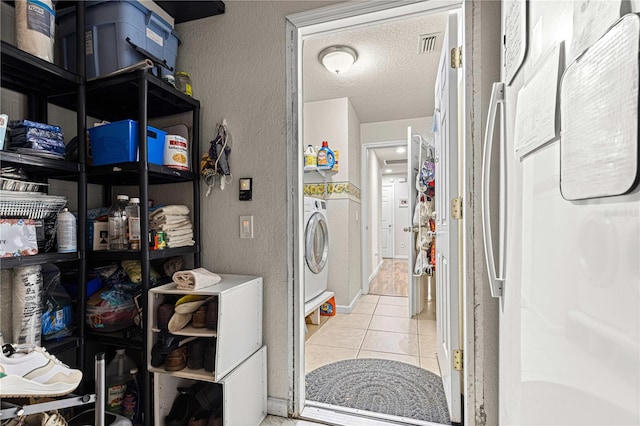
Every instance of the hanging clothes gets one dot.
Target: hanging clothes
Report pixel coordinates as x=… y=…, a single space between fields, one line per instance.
x=216 y=160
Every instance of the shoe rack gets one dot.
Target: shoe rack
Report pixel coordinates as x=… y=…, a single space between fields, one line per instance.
x=240 y=358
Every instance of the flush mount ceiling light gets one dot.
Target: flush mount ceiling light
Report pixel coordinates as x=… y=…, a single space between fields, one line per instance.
x=338 y=59
x=400 y=150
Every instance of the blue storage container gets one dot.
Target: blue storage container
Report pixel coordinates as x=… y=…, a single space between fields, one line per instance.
x=118 y=143
x=109 y=24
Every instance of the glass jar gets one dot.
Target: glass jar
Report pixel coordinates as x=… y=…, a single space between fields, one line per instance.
x=183 y=83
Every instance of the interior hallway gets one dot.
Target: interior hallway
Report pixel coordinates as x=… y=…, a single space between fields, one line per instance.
x=378 y=327
x=391 y=279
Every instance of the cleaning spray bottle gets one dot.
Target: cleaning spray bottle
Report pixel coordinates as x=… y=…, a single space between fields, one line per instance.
x=326 y=158
x=310 y=158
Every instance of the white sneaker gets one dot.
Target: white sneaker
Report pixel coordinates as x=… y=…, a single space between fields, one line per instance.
x=28 y=370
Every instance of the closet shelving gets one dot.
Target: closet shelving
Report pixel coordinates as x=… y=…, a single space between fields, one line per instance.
x=41 y=82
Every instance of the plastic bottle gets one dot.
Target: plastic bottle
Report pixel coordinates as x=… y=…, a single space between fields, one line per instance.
x=133 y=216
x=131 y=399
x=118 y=224
x=117 y=380
x=326 y=158
x=67 y=232
x=310 y=158
x=183 y=83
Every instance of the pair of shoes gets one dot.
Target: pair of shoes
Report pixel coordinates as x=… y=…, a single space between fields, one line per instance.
x=199 y=319
x=212 y=314
x=176 y=359
x=165 y=344
x=28 y=370
x=209 y=361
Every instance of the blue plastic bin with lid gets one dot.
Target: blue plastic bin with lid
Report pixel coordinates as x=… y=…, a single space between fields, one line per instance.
x=108 y=26
x=117 y=142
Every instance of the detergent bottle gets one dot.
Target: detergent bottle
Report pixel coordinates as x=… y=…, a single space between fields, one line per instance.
x=310 y=158
x=326 y=158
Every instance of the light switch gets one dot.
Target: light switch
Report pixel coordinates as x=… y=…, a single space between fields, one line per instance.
x=246 y=226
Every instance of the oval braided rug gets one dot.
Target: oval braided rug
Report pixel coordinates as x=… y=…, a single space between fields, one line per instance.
x=381 y=386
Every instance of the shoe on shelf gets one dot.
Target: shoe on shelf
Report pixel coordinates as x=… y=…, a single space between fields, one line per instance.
x=199 y=319
x=210 y=398
x=40 y=419
x=176 y=360
x=209 y=357
x=195 y=354
x=29 y=370
x=163 y=315
x=165 y=344
x=212 y=314
x=200 y=418
x=181 y=410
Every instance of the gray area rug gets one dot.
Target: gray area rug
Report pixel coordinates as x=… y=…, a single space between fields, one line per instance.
x=381 y=386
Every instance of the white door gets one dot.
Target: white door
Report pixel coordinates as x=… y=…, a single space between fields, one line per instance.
x=413 y=159
x=567 y=272
x=387 y=240
x=446 y=157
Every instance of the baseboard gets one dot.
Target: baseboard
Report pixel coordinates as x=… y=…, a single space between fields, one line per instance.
x=401 y=256
x=277 y=407
x=375 y=272
x=346 y=309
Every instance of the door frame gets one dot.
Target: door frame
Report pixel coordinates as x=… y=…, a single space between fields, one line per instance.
x=298 y=26
x=364 y=212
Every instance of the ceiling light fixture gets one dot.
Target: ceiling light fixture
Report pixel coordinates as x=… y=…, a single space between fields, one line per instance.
x=388 y=171
x=338 y=59
x=400 y=150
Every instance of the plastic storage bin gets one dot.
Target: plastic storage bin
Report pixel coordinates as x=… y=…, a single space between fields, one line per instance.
x=117 y=142
x=108 y=26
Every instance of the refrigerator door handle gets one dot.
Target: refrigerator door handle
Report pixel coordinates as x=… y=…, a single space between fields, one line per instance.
x=495 y=281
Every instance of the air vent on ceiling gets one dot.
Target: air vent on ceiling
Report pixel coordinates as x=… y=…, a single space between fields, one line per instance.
x=392 y=162
x=428 y=43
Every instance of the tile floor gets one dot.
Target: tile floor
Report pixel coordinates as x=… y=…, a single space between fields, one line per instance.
x=378 y=327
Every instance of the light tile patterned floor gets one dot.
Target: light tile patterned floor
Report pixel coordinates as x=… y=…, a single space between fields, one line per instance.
x=378 y=327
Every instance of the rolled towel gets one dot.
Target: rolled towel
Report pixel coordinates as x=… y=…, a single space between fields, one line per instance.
x=195 y=279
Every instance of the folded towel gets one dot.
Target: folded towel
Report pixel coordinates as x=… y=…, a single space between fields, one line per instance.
x=176 y=209
x=169 y=218
x=195 y=279
x=181 y=243
x=179 y=233
x=172 y=226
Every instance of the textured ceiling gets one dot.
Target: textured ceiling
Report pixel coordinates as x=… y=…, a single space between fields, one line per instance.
x=390 y=80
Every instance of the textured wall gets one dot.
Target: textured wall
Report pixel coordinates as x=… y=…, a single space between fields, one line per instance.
x=237 y=66
x=386 y=131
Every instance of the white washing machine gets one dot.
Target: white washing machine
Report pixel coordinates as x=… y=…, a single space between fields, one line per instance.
x=316 y=247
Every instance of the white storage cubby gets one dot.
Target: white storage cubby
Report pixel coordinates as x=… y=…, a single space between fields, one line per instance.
x=240 y=360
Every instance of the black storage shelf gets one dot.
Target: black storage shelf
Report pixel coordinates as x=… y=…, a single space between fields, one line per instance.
x=116 y=98
x=130 y=338
x=26 y=73
x=57 y=346
x=37 y=259
x=184 y=11
x=34 y=165
x=129 y=174
x=103 y=256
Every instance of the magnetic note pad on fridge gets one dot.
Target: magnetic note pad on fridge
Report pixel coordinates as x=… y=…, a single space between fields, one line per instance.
x=599 y=116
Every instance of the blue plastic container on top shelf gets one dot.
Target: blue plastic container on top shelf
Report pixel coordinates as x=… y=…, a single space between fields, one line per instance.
x=108 y=25
x=117 y=142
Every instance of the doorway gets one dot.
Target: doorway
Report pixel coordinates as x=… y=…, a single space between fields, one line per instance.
x=315 y=24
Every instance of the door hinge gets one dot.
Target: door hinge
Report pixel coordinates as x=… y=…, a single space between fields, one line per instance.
x=456 y=208
x=456 y=57
x=457 y=359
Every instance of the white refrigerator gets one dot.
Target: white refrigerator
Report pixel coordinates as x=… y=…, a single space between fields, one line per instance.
x=561 y=213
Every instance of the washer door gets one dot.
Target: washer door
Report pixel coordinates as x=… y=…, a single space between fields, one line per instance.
x=316 y=243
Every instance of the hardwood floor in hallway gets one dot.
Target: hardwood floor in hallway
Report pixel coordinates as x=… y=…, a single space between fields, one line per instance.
x=392 y=279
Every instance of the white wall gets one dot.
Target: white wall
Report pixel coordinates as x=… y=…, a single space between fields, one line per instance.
x=237 y=65
x=400 y=214
x=385 y=131
x=374 y=210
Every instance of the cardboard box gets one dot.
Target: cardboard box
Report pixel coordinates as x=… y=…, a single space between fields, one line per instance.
x=98 y=235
